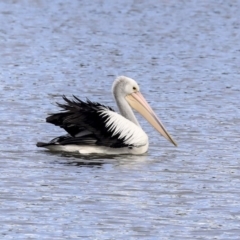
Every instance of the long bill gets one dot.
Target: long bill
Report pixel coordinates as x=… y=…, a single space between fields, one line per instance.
x=138 y=102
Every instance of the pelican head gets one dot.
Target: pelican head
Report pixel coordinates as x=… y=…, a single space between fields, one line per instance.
x=127 y=88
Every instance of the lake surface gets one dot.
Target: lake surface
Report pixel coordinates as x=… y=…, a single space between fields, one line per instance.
x=185 y=56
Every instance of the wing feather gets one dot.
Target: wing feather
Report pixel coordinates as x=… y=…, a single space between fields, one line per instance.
x=104 y=125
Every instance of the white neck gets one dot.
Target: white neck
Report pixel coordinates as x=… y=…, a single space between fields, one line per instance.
x=125 y=109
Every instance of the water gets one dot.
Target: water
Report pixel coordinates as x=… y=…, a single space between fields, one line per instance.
x=186 y=57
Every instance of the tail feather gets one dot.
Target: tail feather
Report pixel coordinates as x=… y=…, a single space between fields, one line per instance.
x=43 y=144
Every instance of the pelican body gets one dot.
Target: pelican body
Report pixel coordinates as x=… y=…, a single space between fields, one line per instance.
x=93 y=128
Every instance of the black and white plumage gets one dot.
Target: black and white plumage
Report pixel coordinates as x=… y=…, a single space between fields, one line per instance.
x=95 y=128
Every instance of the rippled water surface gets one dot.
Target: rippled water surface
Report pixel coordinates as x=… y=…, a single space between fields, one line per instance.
x=186 y=57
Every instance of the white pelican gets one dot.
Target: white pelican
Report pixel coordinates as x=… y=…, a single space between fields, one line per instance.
x=97 y=129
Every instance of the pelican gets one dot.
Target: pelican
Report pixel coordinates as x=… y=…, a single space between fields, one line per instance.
x=93 y=128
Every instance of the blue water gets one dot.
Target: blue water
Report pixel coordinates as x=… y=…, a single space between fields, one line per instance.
x=185 y=56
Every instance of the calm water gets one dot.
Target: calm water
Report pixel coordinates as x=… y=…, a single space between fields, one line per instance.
x=186 y=57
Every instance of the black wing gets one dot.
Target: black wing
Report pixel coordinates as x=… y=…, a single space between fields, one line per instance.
x=68 y=139
x=84 y=119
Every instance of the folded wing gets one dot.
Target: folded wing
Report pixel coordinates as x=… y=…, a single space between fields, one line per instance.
x=92 y=123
